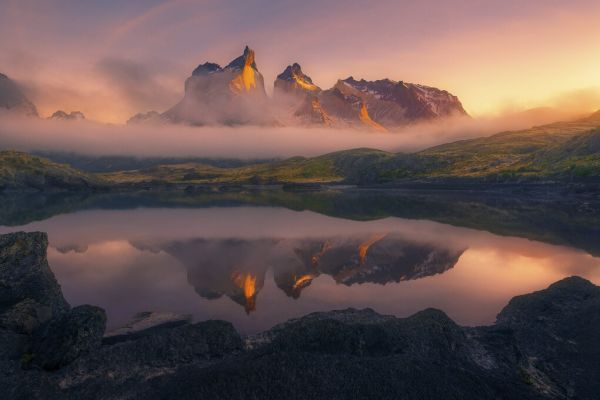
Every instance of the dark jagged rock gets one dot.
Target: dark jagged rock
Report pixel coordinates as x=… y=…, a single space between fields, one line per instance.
x=29 y=293
x=559 y=330
x=67 y=337
x=144 y=324
x=13 y=99
x=118 y=370
x=543 y=346
x=31 y=303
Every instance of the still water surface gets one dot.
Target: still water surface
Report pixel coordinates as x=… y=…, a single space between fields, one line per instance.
x=258 y=266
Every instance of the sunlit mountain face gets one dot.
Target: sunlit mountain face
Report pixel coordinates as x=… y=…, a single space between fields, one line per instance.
x=236 y=95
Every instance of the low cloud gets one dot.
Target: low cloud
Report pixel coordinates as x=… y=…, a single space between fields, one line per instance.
x=136 y=84
x=93 y=138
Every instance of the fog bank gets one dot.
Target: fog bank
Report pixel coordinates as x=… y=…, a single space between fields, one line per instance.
x=91 y=138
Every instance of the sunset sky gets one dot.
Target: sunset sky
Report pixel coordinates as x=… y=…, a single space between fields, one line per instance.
x=111 y=59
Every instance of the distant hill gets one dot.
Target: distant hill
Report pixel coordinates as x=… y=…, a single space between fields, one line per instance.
x=13 y=99
x=21 y=171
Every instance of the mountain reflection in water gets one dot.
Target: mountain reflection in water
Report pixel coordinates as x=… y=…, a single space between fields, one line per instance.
x=259 y=266
x=236 y=268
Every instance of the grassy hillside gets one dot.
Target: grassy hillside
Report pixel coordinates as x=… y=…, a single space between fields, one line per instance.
x=20 y=171
x=555 y=149
x=297 y=170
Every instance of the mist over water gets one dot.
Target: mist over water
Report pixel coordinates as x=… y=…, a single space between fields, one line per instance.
x=144 y=140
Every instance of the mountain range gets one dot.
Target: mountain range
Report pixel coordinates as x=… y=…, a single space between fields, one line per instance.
x=235 y=95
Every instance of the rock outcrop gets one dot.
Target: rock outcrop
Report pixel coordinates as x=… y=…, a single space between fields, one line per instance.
x=68 y=336
x=13 y=99
x=29 y=293
x=146 y=323
x=544 y=345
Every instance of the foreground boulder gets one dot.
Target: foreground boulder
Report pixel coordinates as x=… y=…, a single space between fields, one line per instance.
x=146 y=323
x=545 y=345
x=559 y=331
x=29 y=293
x=65 y=338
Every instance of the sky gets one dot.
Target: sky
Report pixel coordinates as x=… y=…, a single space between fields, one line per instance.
x=111 y=59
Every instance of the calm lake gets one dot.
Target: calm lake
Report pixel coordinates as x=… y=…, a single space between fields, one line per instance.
x=257 y=266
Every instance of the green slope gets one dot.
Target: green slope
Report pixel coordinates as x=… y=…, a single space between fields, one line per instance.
x=548 y=150
x=21 y=171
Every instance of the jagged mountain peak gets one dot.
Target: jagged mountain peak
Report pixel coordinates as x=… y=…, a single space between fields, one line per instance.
x=235 y=94
x=232 y=95
x=293 y=72
x=206 y=68
x=294 y=81
x=247 y=58
x=417 y=101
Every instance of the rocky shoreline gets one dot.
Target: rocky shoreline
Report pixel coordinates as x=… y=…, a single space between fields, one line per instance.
x=544 y=345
